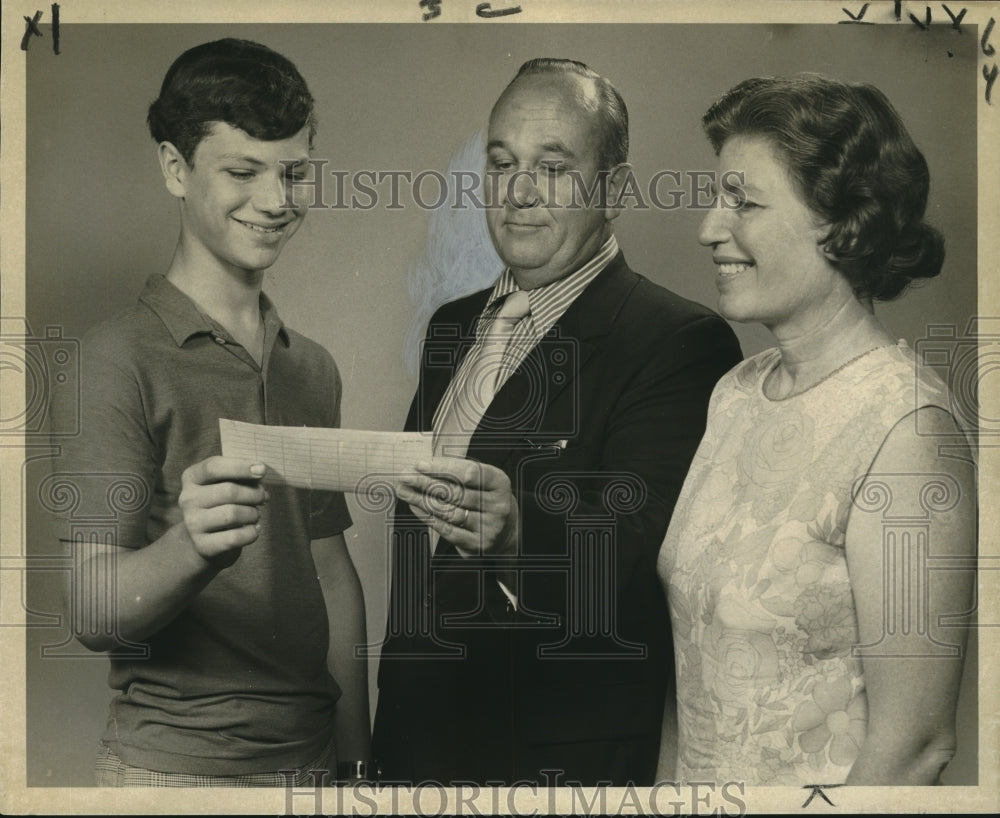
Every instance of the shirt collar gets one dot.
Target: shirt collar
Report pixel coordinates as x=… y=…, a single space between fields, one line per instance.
x=507 y=284
x=181 y=316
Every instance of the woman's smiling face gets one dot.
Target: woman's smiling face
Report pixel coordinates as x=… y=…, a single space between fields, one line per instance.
x=766 y=243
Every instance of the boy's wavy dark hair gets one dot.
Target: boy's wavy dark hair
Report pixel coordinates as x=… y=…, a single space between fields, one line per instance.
x=239 y=82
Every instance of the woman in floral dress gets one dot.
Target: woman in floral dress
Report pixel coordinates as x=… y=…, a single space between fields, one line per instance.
x=832 y=473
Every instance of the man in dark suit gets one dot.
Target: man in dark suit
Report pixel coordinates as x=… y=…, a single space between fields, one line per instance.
x=528 y=636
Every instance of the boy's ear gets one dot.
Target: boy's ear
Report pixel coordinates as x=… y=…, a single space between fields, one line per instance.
x=175 y=169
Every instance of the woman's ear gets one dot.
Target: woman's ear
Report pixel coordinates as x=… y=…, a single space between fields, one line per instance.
x=824 y=240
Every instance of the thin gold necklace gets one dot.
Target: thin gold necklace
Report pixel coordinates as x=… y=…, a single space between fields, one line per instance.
x=826 y=377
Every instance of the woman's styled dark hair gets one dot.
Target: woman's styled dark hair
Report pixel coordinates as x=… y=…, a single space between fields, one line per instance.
x=856 y=168
x=239 y=82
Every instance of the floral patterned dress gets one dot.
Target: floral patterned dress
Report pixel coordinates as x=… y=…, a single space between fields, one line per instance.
x=756 y=574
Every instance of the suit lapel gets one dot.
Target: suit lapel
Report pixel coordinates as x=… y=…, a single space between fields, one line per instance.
x=443 y=352
x=528 y=405
x=525 y=412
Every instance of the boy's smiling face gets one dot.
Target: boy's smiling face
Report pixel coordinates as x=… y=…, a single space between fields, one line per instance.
x=234 y=192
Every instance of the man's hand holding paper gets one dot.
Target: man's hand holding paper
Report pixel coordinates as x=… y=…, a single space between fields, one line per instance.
x=468 y=503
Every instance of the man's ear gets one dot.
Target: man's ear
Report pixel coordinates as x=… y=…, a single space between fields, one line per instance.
x=617 y=179
x=175 y=169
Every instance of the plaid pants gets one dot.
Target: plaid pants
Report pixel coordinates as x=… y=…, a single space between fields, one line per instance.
x=113 y=772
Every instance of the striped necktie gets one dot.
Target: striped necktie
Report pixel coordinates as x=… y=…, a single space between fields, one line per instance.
x=477 y=380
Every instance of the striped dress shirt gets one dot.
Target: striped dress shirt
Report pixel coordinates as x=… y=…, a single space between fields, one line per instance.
x=548 y=304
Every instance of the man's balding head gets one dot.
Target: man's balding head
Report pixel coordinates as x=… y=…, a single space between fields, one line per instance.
x=594 y=93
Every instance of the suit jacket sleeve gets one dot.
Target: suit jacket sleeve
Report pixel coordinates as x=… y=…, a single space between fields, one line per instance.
x=634 y=465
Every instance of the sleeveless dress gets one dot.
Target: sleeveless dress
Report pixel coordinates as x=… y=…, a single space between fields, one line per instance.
x=754 y=566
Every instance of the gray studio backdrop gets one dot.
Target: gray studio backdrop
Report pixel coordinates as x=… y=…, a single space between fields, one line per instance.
x=361 y=282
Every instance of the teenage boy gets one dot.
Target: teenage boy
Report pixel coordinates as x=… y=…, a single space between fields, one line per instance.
x=244 y=597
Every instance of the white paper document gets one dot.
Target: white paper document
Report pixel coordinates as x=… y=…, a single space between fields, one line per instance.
x=346 y=460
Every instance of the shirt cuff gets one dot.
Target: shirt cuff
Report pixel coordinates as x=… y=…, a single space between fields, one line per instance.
x=508 y=593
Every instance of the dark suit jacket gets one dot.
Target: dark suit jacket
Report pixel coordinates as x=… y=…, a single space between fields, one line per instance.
x=596 y=430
